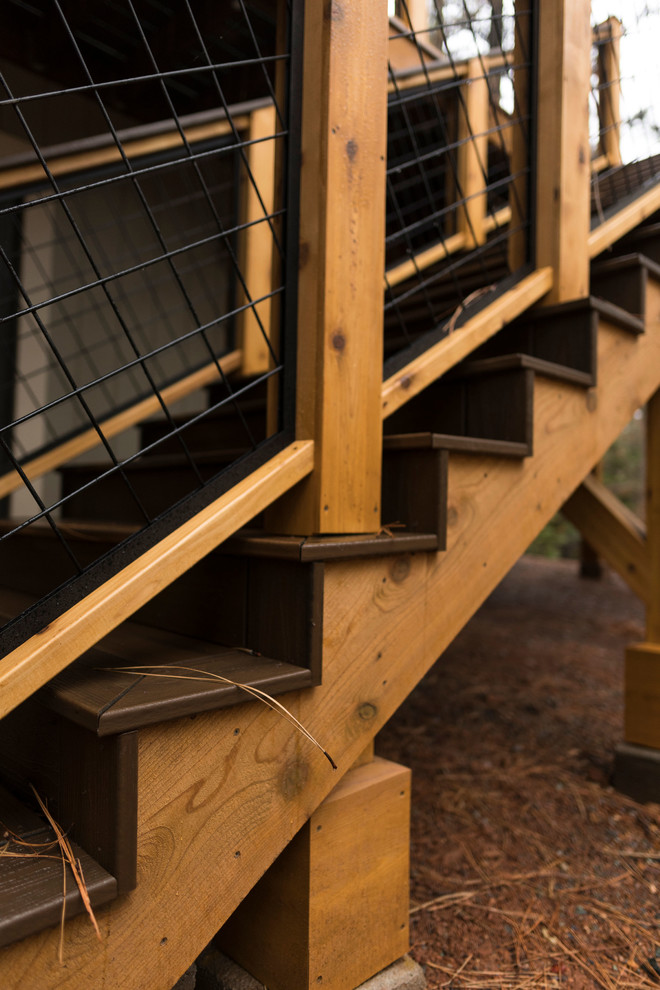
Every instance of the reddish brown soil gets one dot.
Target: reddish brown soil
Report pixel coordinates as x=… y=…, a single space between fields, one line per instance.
x=528 y=869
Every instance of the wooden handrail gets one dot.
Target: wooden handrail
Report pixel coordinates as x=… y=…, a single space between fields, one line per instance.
x=136 y=142
x=434 y=362
x=44 y=655
x=451 y=245
x=121 y=421
x=625 y=220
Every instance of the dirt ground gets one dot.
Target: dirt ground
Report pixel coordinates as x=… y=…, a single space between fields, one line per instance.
x=528 y=869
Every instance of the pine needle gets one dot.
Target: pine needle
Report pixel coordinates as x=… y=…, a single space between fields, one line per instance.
x=74 y=865
x=207 y=675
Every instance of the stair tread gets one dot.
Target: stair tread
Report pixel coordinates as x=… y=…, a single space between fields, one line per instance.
x=254 y=543
x=551 y=369
x=112 y=702
x=622 y=261
x=31 y=889
x=615 y=314
x=467 y=445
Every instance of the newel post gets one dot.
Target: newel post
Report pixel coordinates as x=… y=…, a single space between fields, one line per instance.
x=342 y=260
x=563 y=154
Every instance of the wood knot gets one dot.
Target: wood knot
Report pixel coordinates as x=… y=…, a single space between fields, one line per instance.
x=338 y=340
x=294 y=779
x=367 y=711
x=351 y=149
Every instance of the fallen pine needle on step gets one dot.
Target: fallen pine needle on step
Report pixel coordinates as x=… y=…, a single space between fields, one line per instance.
x=207 y=675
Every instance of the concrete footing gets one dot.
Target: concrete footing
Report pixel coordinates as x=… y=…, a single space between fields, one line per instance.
x=637 y=772
x=216 y=972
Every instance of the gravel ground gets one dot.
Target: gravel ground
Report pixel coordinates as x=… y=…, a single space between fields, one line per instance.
x=528 y=869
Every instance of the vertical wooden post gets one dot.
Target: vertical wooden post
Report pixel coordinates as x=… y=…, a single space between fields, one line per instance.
x=333 y=909
x=653 y=516
x=257 y=242
x=342 y=260
x=417 y=15
x=563 y=156
x=609 y=73
x=473 y=154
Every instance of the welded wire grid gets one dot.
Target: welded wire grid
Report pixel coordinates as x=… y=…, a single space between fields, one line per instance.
x=624 y=110
x=134 y=200
x=458 y=168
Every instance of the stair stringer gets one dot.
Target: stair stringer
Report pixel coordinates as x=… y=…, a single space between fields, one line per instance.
x=221 y=794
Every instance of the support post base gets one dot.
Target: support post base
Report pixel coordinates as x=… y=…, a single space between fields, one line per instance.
x=217 y=972
x=637 y=772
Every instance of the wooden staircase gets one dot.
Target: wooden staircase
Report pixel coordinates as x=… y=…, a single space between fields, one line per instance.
x=157 y=777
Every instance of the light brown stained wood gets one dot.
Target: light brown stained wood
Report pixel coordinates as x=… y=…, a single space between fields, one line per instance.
x=439 y=358
x=405 y=52
x=33 y=663
x=113 y=425
x=217 y=806
x=613 y=531
x=342 y=260
x=641 y=721
x=14 y=178
x=257 y=242
x=608 y=35
x=623 y=221
x=563 y=202
x=353 y=851
x=473 y=154
x=653 y=516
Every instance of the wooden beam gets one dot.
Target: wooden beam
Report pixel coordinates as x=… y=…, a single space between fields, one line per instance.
x=472 y=155
x=88 y=439
x=256 y=252
x=438 y=359
x=563 y=202
x=518 y=142
x=614 y=532
x=625 y=220
x=218 y=805
x=342 y=260
x=354 y=849
x=33 y=663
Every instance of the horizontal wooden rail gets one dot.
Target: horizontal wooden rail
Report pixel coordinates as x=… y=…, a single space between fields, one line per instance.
x=37 y=660
x=444 y=73
x=89 y=439
x=451 y=245
x=625 y=220
x=437 y=360
x=89 y=157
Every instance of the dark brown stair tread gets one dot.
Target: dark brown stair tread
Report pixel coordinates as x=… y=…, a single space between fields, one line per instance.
x=636 y=259
x=312 y=548
x=112 y=702
x=550 y=369
x=610 y=311
x=253 y=543
x=467 y=445
x=31 y=889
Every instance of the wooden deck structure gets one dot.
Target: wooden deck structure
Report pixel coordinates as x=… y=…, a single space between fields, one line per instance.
x=336 y=561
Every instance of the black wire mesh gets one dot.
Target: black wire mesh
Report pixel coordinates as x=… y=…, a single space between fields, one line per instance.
x=459 y=163
x=144 y=303
x=624 y=115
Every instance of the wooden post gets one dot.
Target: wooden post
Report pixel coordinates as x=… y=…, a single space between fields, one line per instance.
x=608 y=36
x=521 y=155
x=342 y=260
x=332 y=911
x=473 y=154
x=642 y=669
x=257 y=243
x=416 y=14
x=563 y=157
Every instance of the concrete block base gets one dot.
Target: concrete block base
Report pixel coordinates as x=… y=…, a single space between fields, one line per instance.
x=216 y=972
x=637 y=772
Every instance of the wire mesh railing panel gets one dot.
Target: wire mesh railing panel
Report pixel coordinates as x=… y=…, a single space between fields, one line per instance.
x=146 y=265
x=624 y=120
x=460 y=142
